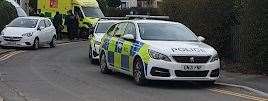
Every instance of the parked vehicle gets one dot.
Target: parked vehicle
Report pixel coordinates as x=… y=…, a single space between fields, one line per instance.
x=158 y=50
x=28 y=32
x=95 y=39
x=88 y=10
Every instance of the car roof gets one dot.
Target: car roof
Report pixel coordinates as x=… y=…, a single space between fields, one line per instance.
x=153 y=21
x=34 y=17
x=108 y=21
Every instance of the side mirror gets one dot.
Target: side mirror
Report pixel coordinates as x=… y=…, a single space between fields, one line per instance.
x=200 y=38
x=40 y=28
x=128 y=37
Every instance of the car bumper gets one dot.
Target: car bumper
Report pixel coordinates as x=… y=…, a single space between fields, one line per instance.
x=162 y=70
x=24 y=42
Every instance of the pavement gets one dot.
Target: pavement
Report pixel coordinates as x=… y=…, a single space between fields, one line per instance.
x=257 y=82
x=64 y=73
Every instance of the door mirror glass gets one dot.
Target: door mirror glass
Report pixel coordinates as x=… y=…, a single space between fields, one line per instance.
x=128 y=37
x=200 y=38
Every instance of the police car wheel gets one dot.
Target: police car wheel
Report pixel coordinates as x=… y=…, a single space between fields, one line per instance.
x=138 y=73
x=92 y=61
x=103 y=65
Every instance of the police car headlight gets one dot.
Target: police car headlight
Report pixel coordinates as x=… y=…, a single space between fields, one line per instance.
x=158 y=56
x=28 y=34
x=215 y=58
x=97 y=43
x=2 y=33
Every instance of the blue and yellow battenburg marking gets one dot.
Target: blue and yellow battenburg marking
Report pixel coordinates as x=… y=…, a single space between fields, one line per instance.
x=121 y=53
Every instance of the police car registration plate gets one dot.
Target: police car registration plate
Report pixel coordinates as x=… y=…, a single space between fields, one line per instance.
x=192 y=67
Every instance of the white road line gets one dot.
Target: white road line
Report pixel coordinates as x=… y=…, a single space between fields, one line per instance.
x=245 y=96
x=1 y=98
x=7 y=56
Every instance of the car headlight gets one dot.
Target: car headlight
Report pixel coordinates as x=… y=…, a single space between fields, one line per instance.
x=215 y=58
x=28 y=34
x=158 y=56
x=2 y=33
x=97 y=43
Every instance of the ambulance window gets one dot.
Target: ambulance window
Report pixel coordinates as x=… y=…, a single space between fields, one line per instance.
x=77 y=10
x=130 y=29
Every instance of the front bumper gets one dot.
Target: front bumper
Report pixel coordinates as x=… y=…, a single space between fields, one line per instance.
x=23 y=42
x=163 y=70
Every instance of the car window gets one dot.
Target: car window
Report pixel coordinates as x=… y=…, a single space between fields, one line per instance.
x=130 y=29
x=111 y=29
x=120 y=29
x=42 y=24
x=103 y=27
x=23 y=22
x=166 y=32
x=48 y=23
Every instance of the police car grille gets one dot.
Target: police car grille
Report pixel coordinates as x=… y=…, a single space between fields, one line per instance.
x=191 y=59
x=9 y=38
x=191 y=73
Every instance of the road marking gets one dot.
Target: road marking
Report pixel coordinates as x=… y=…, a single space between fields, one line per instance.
x=245 y=96
x=7 y=56
x=61 y=44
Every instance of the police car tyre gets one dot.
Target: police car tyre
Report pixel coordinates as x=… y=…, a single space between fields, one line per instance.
x=35 y=44
x=103 y=65
x=52 y=44
x=90 y=57
x=138 y=73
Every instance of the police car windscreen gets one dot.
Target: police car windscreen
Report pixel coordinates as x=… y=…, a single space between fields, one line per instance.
x=103 y=27
x=166 y=32
x=23 y=22
x=93 y=12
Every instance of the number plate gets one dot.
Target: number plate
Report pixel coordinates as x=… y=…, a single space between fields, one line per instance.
x=192 y=67
x=11 y=43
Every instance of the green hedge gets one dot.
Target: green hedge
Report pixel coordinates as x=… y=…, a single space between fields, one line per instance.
x=236 y=28
x=7 y=13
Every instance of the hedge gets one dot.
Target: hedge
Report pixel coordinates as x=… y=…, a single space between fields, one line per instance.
x=7 y=13
x=236 y=28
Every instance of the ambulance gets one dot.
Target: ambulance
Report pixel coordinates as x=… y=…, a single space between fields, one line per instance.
x=88 y=10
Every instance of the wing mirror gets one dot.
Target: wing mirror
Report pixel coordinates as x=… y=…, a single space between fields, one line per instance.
x=128 y=37
x=40 y=28
x=200 y=38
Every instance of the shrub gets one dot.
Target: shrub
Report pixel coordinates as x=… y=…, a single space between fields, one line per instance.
x=7 y=13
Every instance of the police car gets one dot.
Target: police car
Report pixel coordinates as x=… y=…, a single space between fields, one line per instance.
x=158 y=50
x=95 y=39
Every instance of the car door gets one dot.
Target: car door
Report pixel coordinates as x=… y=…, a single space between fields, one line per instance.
x=115 y=46
x=126 y=53
x=41 y=31
x=49 y=31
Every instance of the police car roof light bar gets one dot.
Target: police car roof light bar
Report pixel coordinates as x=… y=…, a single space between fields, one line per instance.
x=131 y=17
x=113 y=18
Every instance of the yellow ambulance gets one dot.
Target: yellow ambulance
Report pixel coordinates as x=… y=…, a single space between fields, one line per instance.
x=88 y=10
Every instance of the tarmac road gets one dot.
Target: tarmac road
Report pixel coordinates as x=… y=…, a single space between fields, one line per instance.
x=65 y=74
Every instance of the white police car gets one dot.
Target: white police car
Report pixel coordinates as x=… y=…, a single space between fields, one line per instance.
x=95 y=39
x=158 y=50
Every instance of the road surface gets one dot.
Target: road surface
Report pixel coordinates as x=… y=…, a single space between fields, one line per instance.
x=65 y=74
